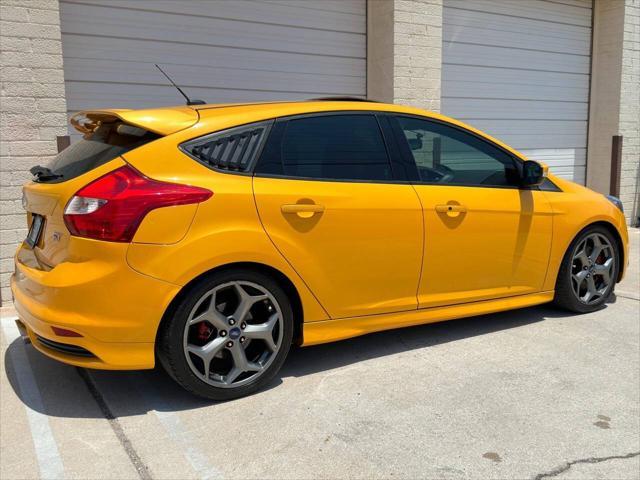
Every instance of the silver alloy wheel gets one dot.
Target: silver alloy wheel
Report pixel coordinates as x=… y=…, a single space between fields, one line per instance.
x=233 y=334
x=592 y=268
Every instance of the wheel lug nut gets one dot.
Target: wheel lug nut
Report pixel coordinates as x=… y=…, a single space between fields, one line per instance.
x=242 y=339
x=223 y=333
x=243 y=325
x=232 y=321
x=229 y=344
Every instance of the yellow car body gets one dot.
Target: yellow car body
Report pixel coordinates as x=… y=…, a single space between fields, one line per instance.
x=382 y=255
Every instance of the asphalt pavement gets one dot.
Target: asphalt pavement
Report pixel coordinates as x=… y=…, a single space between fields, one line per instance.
x=533 y=393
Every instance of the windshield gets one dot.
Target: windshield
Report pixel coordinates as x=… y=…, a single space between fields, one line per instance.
x=96 y=148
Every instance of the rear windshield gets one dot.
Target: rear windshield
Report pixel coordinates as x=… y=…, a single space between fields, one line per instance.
x=105 y=143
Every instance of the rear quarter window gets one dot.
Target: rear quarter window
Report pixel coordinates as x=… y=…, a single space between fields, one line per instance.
x=231 y=150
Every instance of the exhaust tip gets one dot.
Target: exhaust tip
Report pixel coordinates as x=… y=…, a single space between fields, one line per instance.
x=24 y=334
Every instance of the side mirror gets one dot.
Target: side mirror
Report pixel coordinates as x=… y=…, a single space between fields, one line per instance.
x=533 y=173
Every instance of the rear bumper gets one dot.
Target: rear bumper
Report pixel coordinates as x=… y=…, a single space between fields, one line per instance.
x=104 y=356
x=115 y=310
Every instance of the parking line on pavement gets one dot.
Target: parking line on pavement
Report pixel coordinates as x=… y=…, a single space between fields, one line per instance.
x=136 y=461
x=178 y=433
x=46 y=448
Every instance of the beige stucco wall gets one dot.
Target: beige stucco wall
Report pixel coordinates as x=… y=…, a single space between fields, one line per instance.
x=615 y=98
x=604 y=108
x=380 y=50
x=404 y=48
x=630 y=112
x=32 y=110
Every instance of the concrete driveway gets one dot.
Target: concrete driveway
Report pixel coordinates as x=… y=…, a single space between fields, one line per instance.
x=533 y=393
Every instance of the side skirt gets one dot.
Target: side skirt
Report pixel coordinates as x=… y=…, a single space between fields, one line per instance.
x=331 y=330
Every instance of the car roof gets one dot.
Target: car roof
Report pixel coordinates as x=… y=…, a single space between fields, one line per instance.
x=213 y=117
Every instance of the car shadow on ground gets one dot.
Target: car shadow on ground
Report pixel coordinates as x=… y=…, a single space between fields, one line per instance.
x=67 y=391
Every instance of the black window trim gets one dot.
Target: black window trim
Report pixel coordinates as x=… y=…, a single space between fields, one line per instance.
x=268 y=124
x=390 y=136
x=385 y=132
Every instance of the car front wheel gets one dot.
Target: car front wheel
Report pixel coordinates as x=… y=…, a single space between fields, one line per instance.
x=588 y=272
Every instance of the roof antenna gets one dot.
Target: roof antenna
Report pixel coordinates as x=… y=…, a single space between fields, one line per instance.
x=189 y=101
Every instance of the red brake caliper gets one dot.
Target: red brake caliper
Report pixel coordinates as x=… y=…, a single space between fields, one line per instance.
x=204 y=331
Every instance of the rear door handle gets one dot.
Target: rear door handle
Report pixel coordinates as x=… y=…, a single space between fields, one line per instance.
x=302 y=208
x=451 y=208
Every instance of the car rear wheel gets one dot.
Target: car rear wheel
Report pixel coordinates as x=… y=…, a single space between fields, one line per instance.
x=229 y=336
x=589 y=271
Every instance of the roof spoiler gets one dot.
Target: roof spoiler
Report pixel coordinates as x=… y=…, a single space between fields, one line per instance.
x=163 y=121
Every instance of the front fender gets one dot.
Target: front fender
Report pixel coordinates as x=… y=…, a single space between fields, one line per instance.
x=574 y=209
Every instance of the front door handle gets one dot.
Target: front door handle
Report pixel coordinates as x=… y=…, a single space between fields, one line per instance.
x=303 y=209
x=451 y=208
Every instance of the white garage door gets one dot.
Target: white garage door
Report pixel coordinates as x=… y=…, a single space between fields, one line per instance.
x=519 y=70
x=218 y=51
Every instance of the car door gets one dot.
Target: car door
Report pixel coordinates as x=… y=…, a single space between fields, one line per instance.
x=485 y=237
x=328 y=198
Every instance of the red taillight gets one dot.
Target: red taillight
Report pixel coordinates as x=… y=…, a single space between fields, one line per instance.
x=112 y=207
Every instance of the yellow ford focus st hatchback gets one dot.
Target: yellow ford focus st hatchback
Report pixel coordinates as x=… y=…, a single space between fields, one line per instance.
x=212 y=237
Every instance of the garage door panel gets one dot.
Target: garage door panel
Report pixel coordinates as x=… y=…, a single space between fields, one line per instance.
x=531 y=78
x=514 y=91
x=466 y=108
x=119 y=95
x=519 y=69
x=220 y=51
x=523 y=41
x=526 y=141
x=530 y=9
x=179 y=55
x=83 y=96
x=529 y=127
x=498 y=22
x=528 y=134
x=532 y=139
x=330 y=5
x=191 y=76
x=153 y=26
x=493 y=29
x=292 y=15
x=508 y=57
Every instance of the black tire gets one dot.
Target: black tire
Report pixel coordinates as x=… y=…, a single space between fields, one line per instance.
x=171 y=350
x=564 y=294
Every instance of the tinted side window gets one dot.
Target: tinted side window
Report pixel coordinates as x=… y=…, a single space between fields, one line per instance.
x=333 y=147
x=448 y=155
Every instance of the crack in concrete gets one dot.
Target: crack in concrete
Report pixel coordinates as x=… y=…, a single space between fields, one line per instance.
x=563 y=468
x=134 y=457
x=628 y=296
